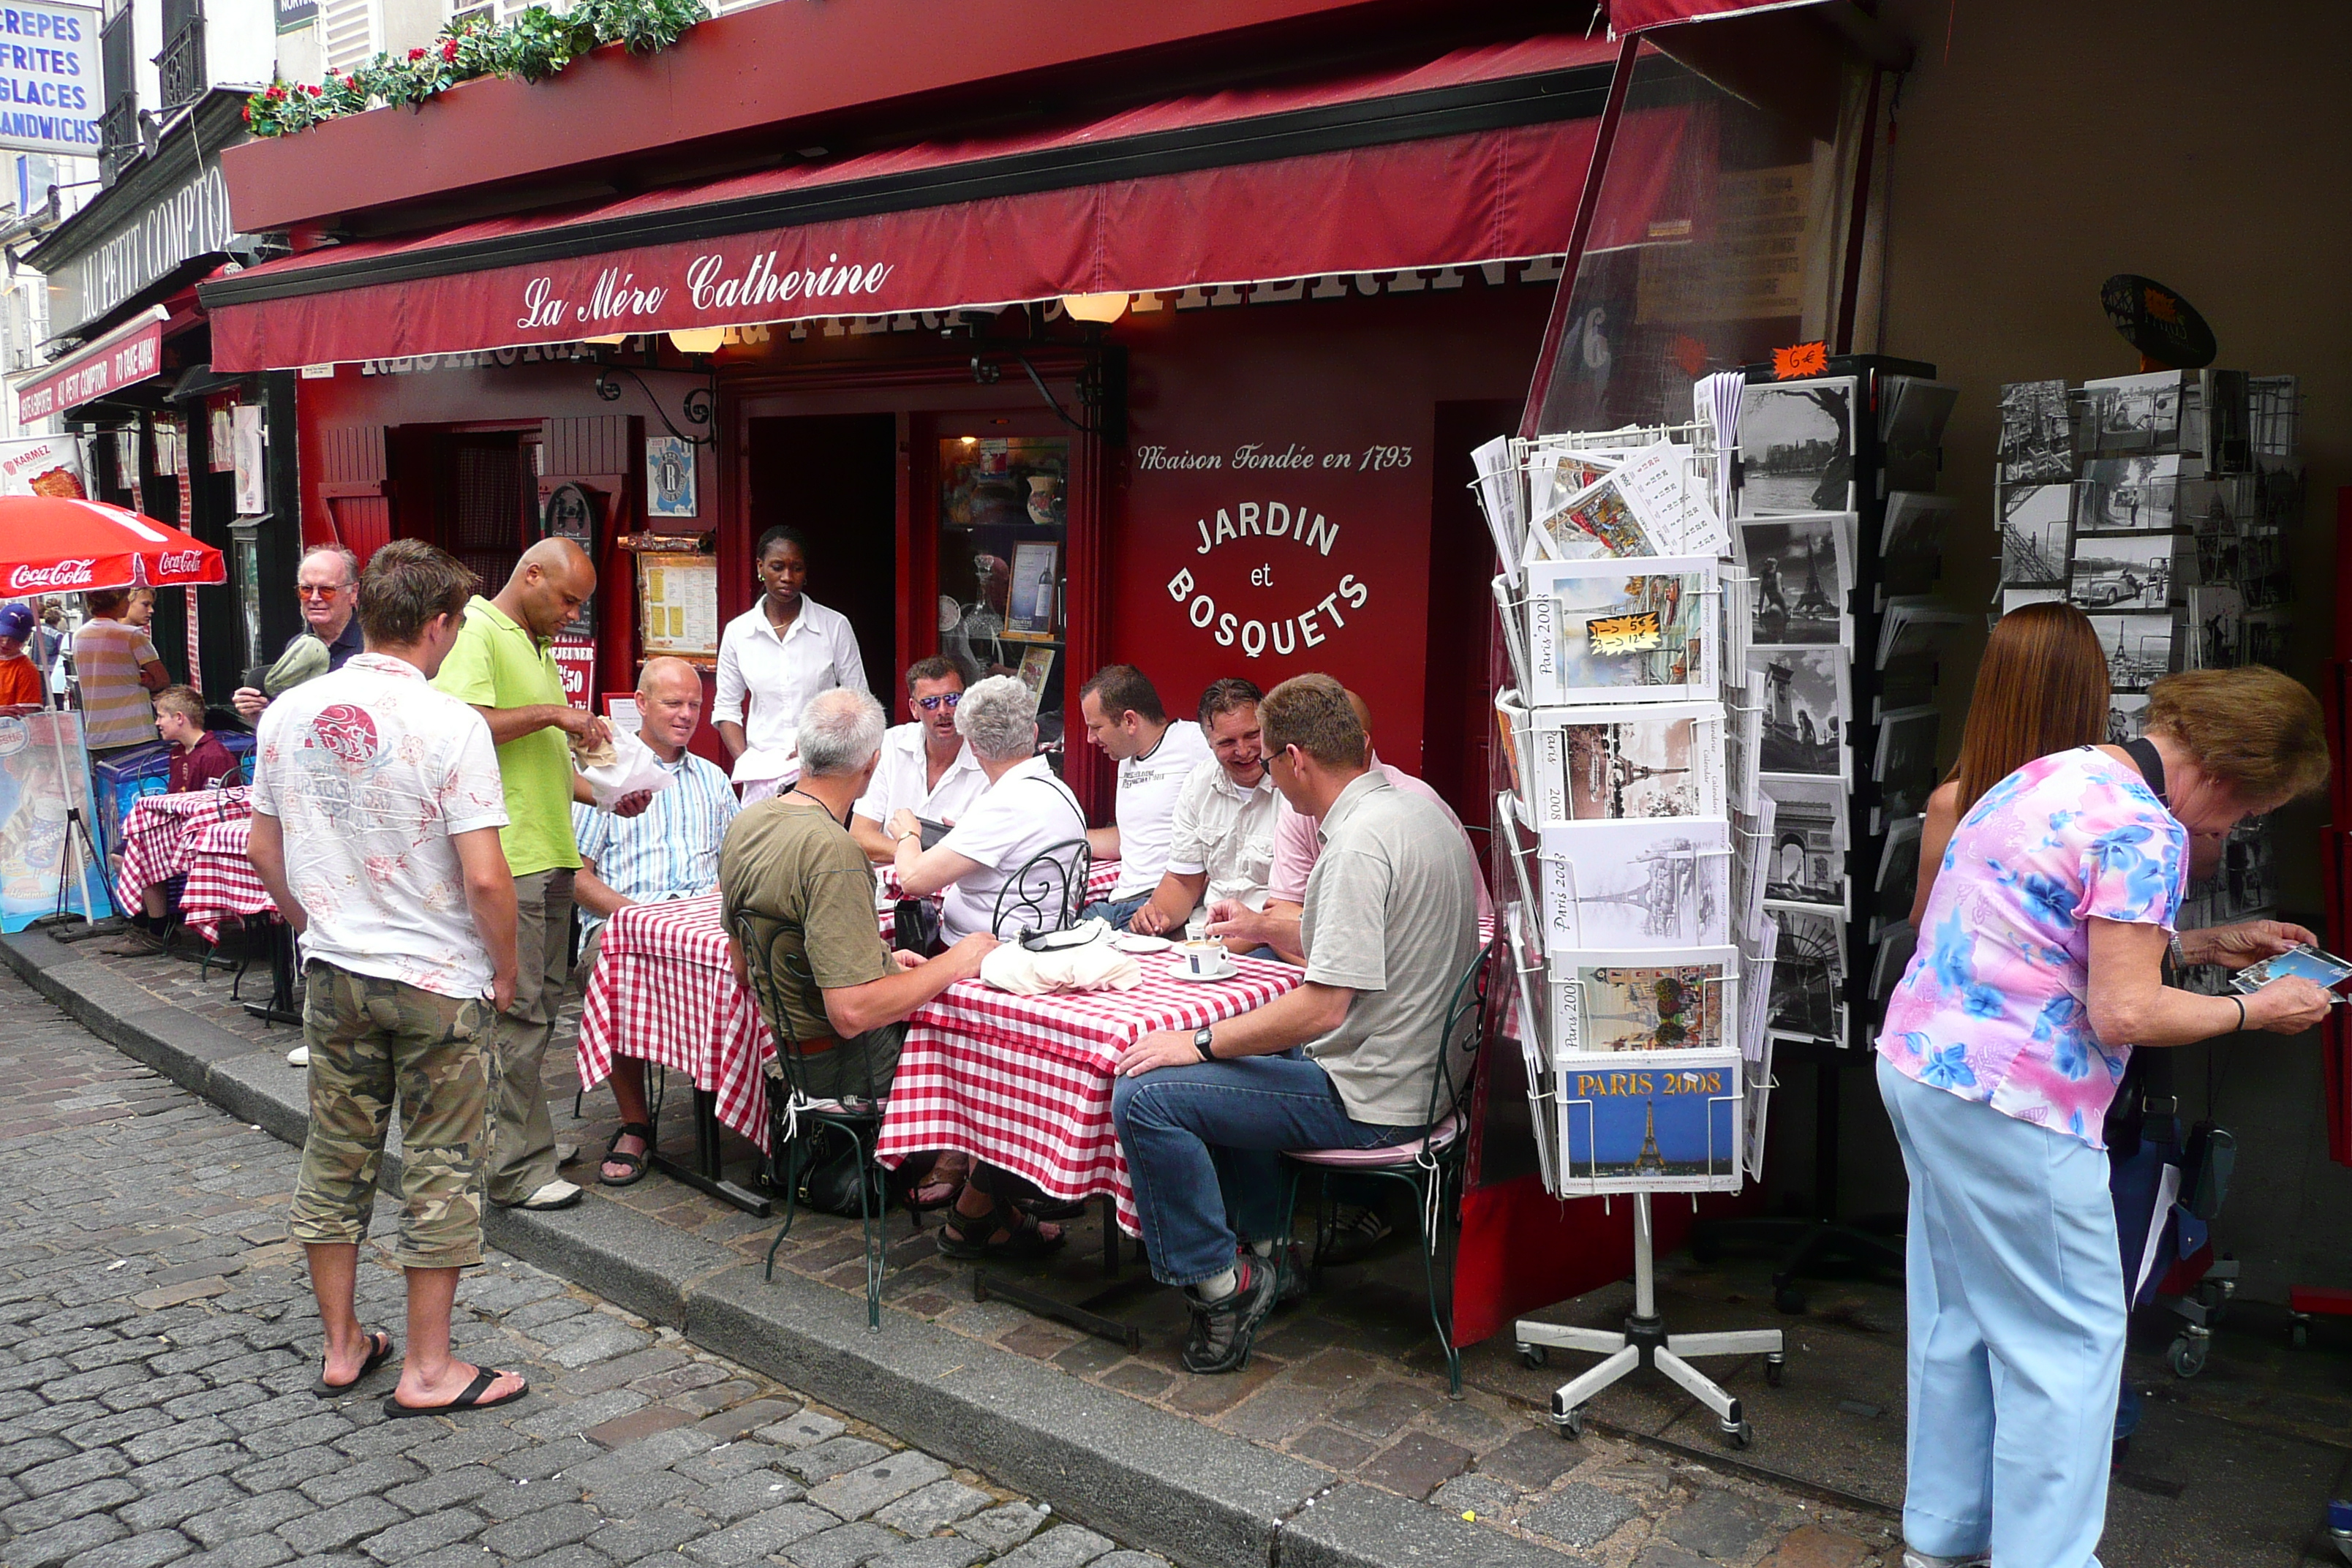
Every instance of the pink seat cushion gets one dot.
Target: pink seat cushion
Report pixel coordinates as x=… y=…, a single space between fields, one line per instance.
x=1404 y=1153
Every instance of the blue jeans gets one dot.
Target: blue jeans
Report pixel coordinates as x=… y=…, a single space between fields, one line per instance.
x=2016 y=1341
x=1119 y=913
x=1201 y=1143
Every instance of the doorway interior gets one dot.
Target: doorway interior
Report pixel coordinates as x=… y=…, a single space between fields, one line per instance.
x=835 y=477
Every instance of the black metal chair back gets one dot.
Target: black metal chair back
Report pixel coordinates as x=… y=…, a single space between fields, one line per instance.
x=1046 y=893
x=790 y=1115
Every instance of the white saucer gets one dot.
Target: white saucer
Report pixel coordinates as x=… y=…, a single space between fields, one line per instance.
x=1137 y=943
x=1177 y=971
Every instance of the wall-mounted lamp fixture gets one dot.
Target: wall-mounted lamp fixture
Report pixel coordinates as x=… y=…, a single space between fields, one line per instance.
x=1101 y=309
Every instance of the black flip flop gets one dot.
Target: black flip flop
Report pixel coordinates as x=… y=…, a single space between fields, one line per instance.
x=1022 y=1240
x=379 y=1350
x=468 y=1398
x=615 y=1155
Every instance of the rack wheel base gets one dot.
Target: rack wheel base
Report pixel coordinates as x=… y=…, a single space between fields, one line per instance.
x=1533 y=1357
x=1572 y=1425
x=1738 y=1437
x=2187 y=1356
x=1776 y=1367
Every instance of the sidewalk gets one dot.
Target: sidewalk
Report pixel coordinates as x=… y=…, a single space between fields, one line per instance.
x=1337 y=1445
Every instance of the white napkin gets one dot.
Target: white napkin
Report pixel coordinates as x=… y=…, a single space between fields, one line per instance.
x=765 y=765
x=1092 y=966
x=633 y=767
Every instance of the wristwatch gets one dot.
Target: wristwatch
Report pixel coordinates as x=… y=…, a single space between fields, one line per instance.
x=1201 y=1043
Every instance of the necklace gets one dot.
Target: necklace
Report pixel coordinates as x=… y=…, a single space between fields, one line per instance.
x=843 y=819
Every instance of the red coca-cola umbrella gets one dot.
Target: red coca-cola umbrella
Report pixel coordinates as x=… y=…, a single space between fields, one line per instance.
x=55 y=544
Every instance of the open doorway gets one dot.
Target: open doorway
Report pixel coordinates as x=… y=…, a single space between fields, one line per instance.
x=835 y=477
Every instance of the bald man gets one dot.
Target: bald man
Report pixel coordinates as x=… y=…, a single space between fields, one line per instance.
x=668 y=851
x=502 y=666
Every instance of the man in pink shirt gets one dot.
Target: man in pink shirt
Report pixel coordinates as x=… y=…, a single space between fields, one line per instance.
x=1297 y=844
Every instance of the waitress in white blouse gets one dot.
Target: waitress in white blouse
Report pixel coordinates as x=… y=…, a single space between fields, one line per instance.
x=773 y=659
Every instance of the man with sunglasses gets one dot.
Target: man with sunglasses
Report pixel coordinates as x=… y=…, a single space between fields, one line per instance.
x=328 y=579
x=925 y=767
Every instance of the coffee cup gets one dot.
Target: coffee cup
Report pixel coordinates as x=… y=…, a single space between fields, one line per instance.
x=1206 y=960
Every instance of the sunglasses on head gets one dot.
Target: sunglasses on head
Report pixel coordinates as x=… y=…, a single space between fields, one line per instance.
x=933 y=704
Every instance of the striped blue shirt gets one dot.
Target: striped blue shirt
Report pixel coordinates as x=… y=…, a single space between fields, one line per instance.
x=670 y=850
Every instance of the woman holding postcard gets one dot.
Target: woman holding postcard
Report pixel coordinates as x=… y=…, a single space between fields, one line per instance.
x=2039 y=966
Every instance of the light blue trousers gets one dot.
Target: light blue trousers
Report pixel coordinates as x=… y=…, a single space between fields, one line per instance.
x=2016 y=1332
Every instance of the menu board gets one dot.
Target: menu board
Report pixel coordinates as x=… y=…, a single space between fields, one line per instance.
x=678 y=605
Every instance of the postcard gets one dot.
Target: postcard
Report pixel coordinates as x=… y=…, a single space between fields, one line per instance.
x=2037 y=529
x=1806 y=858
x=1796 y=447
x=1613 y=886
x=1809 y=974
x=2302 y=962
x=2134 y=413
x=1756 y=996
x=1667 y=1125
x=1799 y=568
x=1635 y=761
x=1501 y=499
x=1752 y=864
x=1911 y=420
x=2126 y=716
x=2123 y=570
x=1600 y=632
x=1917 y=524
x=2130 y=495
x=1669 y=497
x=1806 y=701
x=2037 y=433
x=1615 y=1002
x=1904 y=764
x=2139 y=648
x=1890 y=958
x=1597 y=516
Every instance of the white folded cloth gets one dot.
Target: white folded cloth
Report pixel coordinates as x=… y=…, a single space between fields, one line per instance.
x=633 y=767
x=1093 y=965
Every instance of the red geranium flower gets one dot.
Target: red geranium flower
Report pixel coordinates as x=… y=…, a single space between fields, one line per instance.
x=449 y=49
x=417 y=53
x=247 y=112
x=275 y=93
x=314 y=91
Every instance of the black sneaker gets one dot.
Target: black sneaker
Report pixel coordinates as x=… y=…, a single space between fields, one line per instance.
x=1356 y=1230
x=1219 y=1337
x=1289 y=1273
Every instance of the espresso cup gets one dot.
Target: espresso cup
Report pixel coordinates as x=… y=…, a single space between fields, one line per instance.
x=1206 y=960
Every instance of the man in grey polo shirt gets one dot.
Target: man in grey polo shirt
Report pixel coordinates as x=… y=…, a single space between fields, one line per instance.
x=1390 y=922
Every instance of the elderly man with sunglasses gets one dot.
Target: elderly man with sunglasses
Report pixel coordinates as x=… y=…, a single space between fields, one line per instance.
x=925 y=767
x=328 y=579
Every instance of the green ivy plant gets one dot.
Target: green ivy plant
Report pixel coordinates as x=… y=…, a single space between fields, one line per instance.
x=537 y=44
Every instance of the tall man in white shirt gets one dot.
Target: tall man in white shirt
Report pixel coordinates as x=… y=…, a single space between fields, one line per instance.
x=773 y=659
x=377 y=802
x=670 y=850
x=924 y=766
x=1221 y=845
x=1123 y=716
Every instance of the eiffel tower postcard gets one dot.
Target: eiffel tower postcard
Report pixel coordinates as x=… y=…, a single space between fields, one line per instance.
x=1662 y=1122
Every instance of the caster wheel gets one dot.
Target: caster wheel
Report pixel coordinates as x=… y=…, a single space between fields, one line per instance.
x=1534 y=1357
x=1739 y=1437
x=1572 y=1425
x=1789 y=1299
x=1776 y=1367
x=2301 y=1335
x=2186 y=1356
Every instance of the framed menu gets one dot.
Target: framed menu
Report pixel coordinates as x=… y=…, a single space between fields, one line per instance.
x=678 y=605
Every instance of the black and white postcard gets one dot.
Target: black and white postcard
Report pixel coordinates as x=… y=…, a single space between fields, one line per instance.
x=1806 y=703
x=2134 y=413
x=2037 y=434
x=1890 y=958
x=2139 y=648
x=1806 y=860
x=1796 y=447
x=1911 y=429
x=1809 y=974
x=2130 y=495
x=2037 y=529
x=2018 y=598
x=2217 y=617
x=1637 y=884
x=1798 y=568
x=1905 y=765
x=1898 y=872
x=2126 y=716
x=2124 y=571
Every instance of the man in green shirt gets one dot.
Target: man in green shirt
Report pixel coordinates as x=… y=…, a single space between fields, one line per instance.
x=502 y=665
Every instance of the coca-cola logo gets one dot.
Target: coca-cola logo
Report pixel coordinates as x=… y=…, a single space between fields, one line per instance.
x=62 y=574
x=176 y=562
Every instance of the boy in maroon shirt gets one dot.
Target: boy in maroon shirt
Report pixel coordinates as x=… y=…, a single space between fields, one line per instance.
x=198 y=761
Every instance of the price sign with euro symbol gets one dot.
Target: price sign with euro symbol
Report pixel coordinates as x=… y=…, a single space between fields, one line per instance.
x=1613 y=636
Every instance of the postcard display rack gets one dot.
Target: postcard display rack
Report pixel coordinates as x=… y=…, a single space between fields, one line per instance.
x=1641 y=949
x=2159 y=504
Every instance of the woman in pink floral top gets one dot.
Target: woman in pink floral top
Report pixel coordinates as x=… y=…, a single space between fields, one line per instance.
x=2039 y=966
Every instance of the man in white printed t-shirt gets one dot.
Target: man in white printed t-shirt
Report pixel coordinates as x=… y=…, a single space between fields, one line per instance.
x=1024 y=811
x=1222 y=847
x=377 y=802
x=924 y=766
x=1123 y=716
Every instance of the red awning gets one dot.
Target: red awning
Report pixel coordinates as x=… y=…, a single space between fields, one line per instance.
x=1474 y=157
x=131 y=352
x=1640 y=16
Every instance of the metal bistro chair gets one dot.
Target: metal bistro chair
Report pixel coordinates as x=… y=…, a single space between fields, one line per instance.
x=1046 y=893
x=792 y=1115
x=1431 y=1164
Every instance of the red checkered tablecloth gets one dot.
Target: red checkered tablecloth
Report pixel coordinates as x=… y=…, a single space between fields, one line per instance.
x=155 y=836
x=664 y=991
x=222 y=882
x=1024 y=1082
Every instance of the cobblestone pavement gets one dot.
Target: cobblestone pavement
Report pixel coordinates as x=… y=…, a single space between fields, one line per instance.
x=158 y=1342
x=1351 y=1386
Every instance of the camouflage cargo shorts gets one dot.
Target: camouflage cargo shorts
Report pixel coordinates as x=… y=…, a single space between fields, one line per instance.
x=373 y=1042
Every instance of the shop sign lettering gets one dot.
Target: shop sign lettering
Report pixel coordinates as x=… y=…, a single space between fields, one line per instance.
x=619 y=297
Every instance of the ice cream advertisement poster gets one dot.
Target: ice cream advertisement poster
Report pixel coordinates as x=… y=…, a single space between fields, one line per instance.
x=43 y=773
